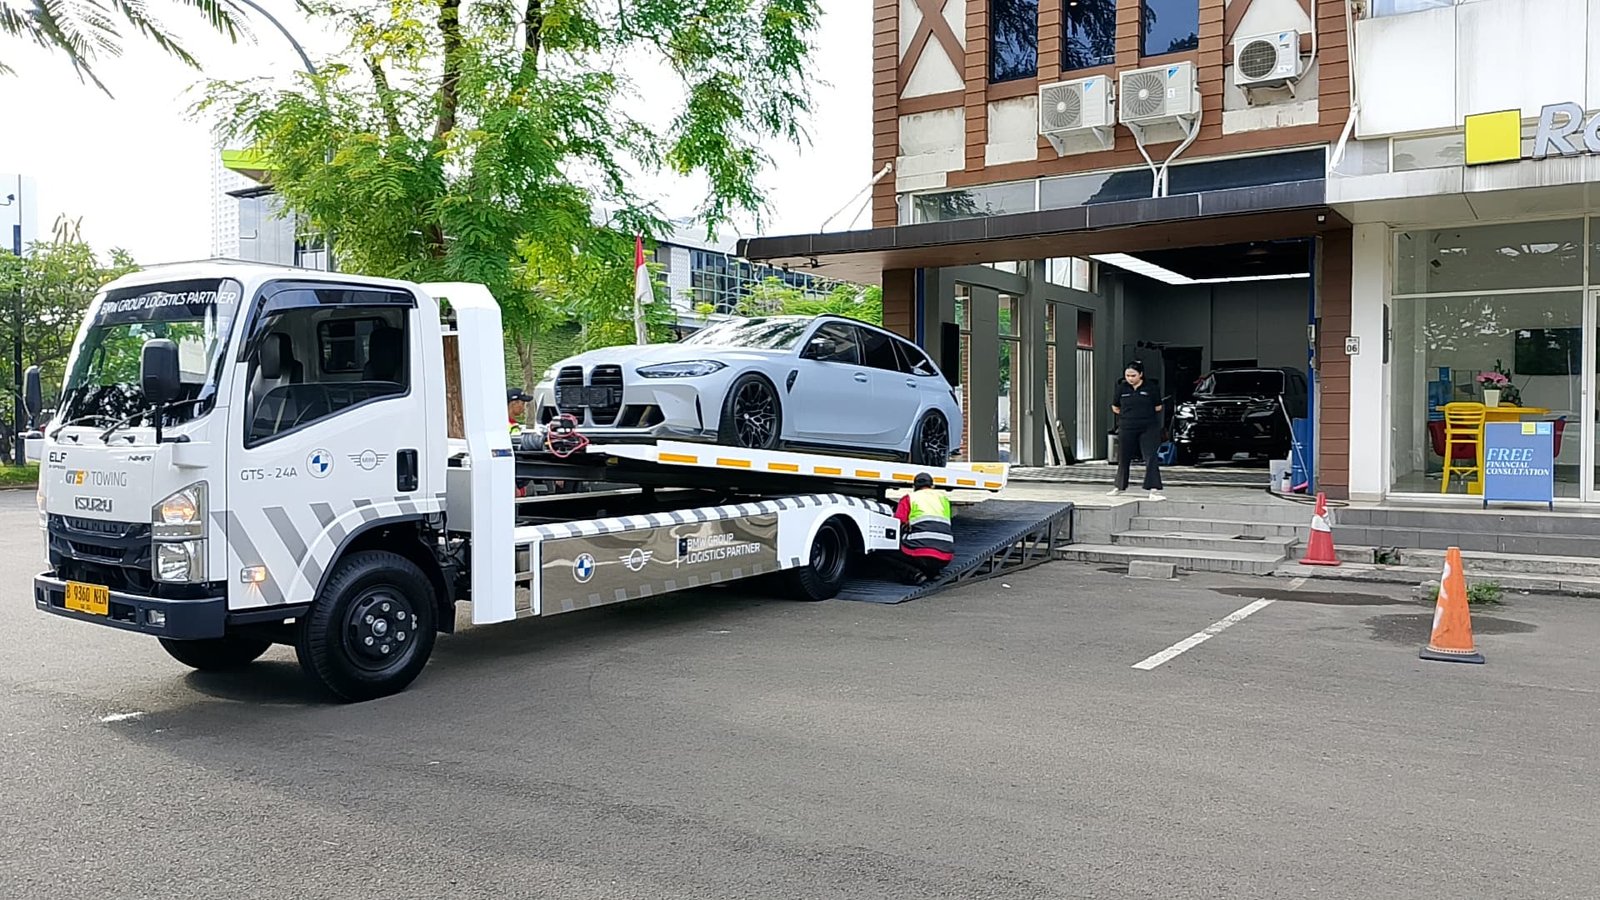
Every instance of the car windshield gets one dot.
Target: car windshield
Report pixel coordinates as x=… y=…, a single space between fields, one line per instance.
x=756 y=334
x=1245 y=383
x=102 y=384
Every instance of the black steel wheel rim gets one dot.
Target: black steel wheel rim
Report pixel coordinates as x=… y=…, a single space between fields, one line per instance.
x=827 y=553
x=755 y=415
x=381 y=630
x=935 y=440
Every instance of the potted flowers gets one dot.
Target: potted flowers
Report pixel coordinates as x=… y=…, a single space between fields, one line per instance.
x=1493 y=385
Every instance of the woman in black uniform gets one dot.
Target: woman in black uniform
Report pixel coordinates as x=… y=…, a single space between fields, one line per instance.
x=1139 y=422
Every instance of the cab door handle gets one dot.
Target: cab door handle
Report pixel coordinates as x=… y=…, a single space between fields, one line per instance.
x=405 y=479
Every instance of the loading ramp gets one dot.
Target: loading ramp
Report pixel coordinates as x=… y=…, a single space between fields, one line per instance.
x=993 y=538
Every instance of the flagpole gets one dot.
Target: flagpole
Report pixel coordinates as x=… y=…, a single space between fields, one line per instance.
x=643 y=292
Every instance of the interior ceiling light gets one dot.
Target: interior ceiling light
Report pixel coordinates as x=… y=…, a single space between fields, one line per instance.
x=1167 y=276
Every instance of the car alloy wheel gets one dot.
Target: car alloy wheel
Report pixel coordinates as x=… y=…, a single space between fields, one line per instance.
x=755 y=415
x=935 y=441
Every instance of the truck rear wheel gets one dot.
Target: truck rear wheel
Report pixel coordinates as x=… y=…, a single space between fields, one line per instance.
x=823 y=575
x=216 y=654
x=372 y=628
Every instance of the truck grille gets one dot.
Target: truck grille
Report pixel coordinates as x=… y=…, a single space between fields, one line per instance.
x=115 y=554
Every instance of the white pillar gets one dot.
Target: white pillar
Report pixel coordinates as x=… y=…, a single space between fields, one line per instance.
x=1369 y=379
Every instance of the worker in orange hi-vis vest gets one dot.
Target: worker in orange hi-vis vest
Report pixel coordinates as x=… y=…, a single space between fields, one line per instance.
x=927 y=543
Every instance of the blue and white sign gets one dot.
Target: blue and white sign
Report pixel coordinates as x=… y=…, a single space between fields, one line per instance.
x=583 y=568
x=1519 y=463
x=319 y=463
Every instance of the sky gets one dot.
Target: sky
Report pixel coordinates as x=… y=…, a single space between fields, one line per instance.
x=136 y=168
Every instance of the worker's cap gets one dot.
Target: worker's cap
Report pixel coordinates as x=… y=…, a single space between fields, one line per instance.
x=923 y=480
x=516 y=394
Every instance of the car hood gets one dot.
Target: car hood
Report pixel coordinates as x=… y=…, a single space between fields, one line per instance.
x=633 y=356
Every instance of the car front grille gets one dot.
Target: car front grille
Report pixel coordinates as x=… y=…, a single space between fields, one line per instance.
x=606 y=377
x=569 y=377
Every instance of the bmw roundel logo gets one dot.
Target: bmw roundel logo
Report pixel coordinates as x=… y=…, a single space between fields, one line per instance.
x=319 y=463
x=583 y=568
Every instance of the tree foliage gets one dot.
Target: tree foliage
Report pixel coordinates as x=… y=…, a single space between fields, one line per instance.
x=774 y=297
x=489 y=141
x=56 y=279
x=87 y=31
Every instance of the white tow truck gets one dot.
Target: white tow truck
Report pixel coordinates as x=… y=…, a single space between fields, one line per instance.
x=246 y=455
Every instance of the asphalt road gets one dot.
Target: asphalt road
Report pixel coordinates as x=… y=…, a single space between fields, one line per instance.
x=994 y=742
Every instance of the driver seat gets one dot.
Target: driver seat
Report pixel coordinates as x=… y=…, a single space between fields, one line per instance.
x=274 y=398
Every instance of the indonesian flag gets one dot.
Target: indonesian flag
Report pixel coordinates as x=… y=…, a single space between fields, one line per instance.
x=643 y=292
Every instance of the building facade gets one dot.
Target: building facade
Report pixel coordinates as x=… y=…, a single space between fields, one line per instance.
x=1474 y=193
x=1175 y=151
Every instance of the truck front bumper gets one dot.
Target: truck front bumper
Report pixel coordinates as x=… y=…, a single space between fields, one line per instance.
x=205 y=617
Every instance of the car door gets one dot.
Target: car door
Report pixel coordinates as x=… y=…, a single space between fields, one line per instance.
x=896 y=401
x=829 y=401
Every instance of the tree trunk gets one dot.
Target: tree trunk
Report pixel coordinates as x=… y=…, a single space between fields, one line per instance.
x=523 y=343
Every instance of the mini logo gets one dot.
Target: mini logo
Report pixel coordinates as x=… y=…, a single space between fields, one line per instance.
x=637 y=559
x=368 y=459
x=583 y=568
x=92 y=504
x=319 y=463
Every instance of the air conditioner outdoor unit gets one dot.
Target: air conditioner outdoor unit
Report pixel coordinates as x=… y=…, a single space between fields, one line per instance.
x=1158 y=95
x=1267 y=60
x=1082 y=106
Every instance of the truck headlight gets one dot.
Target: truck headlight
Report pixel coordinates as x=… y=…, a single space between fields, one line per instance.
x=180 y=561
x=181 y=515
x=693 y=368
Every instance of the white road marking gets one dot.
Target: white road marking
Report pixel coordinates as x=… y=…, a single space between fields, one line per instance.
x=1297 y=584
x=1200 y=637
x=121 y=717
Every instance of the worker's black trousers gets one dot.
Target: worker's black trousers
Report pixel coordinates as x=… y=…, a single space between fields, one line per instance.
x=1148 y=439
x=914 y=569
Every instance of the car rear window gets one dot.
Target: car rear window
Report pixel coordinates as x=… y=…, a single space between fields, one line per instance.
x=1243 y=384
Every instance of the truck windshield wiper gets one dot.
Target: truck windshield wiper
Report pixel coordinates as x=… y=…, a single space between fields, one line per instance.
x=78 y=421
x=105 y=436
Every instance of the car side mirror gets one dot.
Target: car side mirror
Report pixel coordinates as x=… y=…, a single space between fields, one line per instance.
x=32 y=393
x=158 y=371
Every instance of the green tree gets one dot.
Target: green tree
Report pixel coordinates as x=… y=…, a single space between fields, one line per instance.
x=774 y=297
x=56 y=279
x=488 y=141
x=86 y=31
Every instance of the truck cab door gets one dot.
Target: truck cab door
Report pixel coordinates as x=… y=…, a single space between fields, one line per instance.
x=326 y=435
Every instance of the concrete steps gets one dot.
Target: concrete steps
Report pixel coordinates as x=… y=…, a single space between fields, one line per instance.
x=1570 y=585
x=1204 y=541
x=1236 y=562
x=1221 y=526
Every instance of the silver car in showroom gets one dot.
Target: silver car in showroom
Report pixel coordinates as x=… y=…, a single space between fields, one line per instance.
x=776 y=382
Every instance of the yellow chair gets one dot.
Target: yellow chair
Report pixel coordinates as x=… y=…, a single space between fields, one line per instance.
x=1463 y=424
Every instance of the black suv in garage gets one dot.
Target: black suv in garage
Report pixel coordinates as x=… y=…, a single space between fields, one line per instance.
x=1240 y=411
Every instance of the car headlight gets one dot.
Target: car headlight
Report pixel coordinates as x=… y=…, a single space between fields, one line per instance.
x=693 y=368
x=181 y=515
x=1185 y=411
x=182 y=562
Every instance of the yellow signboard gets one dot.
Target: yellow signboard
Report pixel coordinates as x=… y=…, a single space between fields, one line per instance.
x=1494 y=137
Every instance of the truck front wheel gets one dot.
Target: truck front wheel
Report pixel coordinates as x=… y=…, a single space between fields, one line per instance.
x=216 y=654
x=372 y=628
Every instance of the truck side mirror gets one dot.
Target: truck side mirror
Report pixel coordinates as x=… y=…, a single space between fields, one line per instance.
x=32 y=393
x=158 y=371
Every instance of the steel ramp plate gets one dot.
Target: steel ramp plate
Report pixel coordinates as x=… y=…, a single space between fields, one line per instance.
x=992 y=537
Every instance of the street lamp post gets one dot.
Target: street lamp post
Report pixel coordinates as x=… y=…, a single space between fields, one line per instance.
x=20 y=447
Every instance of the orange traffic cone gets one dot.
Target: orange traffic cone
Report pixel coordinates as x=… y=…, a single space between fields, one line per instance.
x=1319 y=551
x=1452 y=624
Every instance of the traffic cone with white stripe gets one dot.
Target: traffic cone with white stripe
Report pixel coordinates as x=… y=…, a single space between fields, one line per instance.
x=1319 y=550
x=1451 y=640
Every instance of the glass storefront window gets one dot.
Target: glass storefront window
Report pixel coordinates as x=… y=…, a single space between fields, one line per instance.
x=1490 y=258
x=977 y=202
x=1442 y=345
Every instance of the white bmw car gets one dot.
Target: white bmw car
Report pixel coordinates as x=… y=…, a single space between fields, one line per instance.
x=765 y=383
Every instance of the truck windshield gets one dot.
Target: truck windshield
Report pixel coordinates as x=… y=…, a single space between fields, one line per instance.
x=102 y=383
x=1242 y=383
